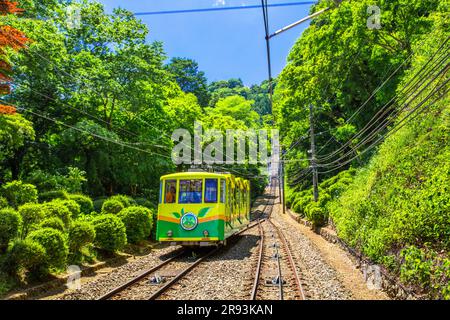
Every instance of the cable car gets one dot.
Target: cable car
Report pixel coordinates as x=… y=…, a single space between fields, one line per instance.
x=201 y=208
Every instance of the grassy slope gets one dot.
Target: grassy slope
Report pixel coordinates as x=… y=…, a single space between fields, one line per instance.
x=397 y=210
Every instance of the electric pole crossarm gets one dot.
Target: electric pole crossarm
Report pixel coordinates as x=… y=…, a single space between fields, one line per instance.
x=299 y=22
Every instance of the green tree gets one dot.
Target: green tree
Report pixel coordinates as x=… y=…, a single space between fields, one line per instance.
x=189 y=78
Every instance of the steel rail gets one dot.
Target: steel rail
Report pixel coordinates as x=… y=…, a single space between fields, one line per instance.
x=291 y=261
x=258 y=266
x=182 y=274
x=196 y=263
x=139 y=277
x=261 y=251
x=142 y=275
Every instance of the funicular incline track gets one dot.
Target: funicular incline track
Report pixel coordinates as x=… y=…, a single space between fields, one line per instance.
x=146 y=286
x=286 y=283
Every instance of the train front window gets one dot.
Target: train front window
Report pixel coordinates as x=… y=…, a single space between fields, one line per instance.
x=222 y=190
x=190 y=191
x=160 y=192
x=170 y=191
x=210 y=190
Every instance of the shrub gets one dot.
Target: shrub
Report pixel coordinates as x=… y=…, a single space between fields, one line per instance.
x=18 y=193
x=316 y=214
x=85 y=203
x=143 y=202
x=81 y=233
x=24 y=254
x=72 y=205
x=98 y=203
x=58 y=210
x=112 y=206
x=53 y=223
x=54 y=244
x=10 y=221
x=31 y=213
x=53 y=195
x=3 y=202
x=324 y=198
x=301 y=204
x=138 y=223
x=110 y=232
x=126 y=201
x=45 y=181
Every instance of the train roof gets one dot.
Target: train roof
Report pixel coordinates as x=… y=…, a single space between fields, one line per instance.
x=243 y=183
x=195 y=174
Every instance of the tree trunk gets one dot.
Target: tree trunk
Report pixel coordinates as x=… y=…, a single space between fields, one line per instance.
x=15 y=162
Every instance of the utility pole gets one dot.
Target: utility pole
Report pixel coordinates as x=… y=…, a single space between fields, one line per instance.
x=282 y=184
x=313 y=154
x=279 y=180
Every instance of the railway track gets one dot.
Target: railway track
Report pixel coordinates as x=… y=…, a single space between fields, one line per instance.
x=154 y=282
x=274 y=253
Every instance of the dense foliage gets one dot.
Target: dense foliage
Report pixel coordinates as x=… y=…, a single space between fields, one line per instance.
x=110 y=232
x=54 y=243
x=98 y=105
x=138 y=223
x=394 y=208
x=10 y=222
x=85 y=203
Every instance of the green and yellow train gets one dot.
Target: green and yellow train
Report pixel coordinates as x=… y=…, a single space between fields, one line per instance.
x=200 y=208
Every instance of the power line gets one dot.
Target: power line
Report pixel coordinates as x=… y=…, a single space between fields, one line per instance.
x=395 y=129
x=383 y=124
x=370 y=97
x=391 y=119
x=286 y=4
x=423 y=76
x=402 y=122
x=118 y=142
x=411 y=85
x=70 y=75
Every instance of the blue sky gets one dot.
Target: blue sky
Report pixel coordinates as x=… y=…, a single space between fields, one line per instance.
x=226 y=44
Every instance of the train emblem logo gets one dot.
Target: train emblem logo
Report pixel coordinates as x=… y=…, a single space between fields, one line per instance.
x=189 y=221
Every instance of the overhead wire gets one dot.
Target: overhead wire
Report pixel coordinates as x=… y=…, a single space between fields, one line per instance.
x=400 y=125
x=386 y=120
x=118 y=142
x=383 y=111
x=380 y=128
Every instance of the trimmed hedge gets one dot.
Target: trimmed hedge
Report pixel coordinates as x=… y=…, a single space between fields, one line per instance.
x=24 y=254
x=10 y=221
x=112 y=206
x=143 y=202
x=138 y=222
x=72 y=205
x=54 y=223
x=126 y=201
x=81 y=233
x=31 y=213
x=53 y=195
x=98 y=204
x=110 y=232
x=58 y=210
x=18 y=193
x=85 y=203
x=3 y=202
x=54 y=244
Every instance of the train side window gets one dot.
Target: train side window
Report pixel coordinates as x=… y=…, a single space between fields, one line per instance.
x=210 y=190
x=160 y=192
x=222 y=190
x=170 y=191
x=190 y=191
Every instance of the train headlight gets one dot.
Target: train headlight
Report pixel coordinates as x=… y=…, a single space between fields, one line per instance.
x=170 y=233
x=206 y=233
